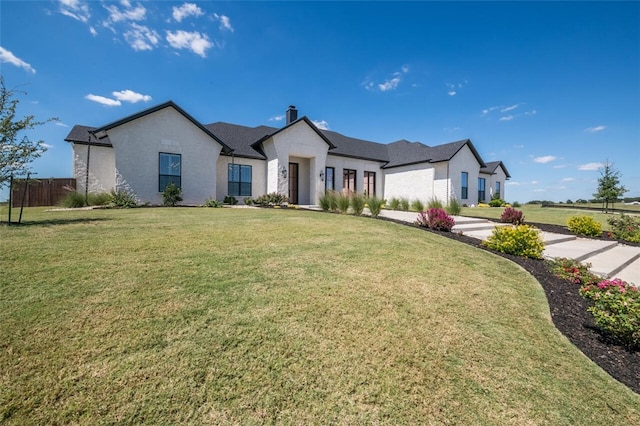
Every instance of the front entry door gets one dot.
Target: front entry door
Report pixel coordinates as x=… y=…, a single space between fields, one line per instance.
x=293 y=183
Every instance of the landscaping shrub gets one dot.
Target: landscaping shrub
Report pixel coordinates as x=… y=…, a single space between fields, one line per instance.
x=171 y=195
x=521 y=240
x=496 y=202
x=436 y=219
x=483 y=205
x=454 y=208
x=572 y=271
x=616 y=309
x=212 y=202
x=404 y=204
x=323 y=201
x=434 y=203
x=230 y=199
x=271 y=199
x=417 y=205
x=248 y=201
x=122 y=198
x=73 y=200
x=99 y=199
x=513 y=216
x=584 y=225
x=394 y=203
x=357 y=203
x=625 y=228
x=375 y=205
x=515 y=204
x=343 y=201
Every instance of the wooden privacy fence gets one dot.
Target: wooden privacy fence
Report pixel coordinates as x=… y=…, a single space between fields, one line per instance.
x=41 y=192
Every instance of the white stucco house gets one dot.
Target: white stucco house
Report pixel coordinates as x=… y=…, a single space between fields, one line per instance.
x=144 y=152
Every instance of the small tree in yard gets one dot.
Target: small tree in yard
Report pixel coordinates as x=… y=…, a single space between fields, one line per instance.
x=171 y=195
x=609 y=187
x=16 y=152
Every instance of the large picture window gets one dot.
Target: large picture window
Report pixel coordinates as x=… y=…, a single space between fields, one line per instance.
x=497 y=189
x=330 y=178
x=239 y=180
x=464 y=190
x=170 y=170
x=349 y=180
x=370 y=183
x=482 y=194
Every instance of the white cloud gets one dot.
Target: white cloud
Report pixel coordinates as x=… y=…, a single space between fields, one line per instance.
x=323 y=125
x=510 y=108
x=513 y=183
x=519 y=146
x=590 y=166
x=46 y=145
x=545 y=159
x=186 y=10
x=506 y=118
x=131 y=96
x=225 y=22
x=61 y=124
x=193 y=41
x=560 y=166
x=595 y=129
x=141 y=37
x=389 y=84
x=277 y=118
x=569 y=179
x=102 y=100
x=7 y=56
x=534 y=182
x=451 y=92
x=129 y=14
x=93 y=31
x=76 y=9
x=539 y=190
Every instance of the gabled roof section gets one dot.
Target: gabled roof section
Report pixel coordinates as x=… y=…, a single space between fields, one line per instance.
x=240 y=138
x=491 y=167
x=404 y=153
x=356 y=148
x=447 y=151
x=169 y=104
x=256 y=144
x=83 y=135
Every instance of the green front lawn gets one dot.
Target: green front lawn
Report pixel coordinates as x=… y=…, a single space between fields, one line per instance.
x=252 y=316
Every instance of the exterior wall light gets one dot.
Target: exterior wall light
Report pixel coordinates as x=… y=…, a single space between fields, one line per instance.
x=322 y=175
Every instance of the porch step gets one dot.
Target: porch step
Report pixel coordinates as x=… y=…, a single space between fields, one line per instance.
x=610 y=262
x=578 y=249
x=631 y=273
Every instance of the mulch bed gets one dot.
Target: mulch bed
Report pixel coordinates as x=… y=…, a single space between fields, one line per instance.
x=569 y=314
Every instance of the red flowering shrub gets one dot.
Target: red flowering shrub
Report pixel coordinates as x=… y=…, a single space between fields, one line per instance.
x=511 y=215
x=437 y=219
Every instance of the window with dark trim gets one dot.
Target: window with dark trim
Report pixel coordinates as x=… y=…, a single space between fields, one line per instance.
x=239 y=180
x=170 y=170
x=464 y=192
x=497 y=189
x=481 y=190
x=349 y=180
x=370 y=183
x=329 y=178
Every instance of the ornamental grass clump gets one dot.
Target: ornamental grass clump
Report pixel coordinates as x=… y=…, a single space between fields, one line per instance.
x=454 y=208
x=584 y=225
x=625 y=228
x=513 y=216
x=404 y=204
x=436 y=219
x=357 y=203
x=375 y=205
x=343 y=201
x=394 y=203
x=521 y=240
x=616 y=310
x=417 y=205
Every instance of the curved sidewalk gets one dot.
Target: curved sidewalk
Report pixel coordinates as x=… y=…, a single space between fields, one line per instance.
x=608 y=259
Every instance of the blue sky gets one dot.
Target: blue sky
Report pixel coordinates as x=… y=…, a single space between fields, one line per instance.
x=550 y=88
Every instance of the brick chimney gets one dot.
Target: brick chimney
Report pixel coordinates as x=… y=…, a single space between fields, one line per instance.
x=292 y=114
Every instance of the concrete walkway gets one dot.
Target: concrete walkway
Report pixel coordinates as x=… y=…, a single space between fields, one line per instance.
x=608 y=259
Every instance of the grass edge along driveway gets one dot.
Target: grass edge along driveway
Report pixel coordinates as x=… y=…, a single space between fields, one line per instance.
x=252 y=316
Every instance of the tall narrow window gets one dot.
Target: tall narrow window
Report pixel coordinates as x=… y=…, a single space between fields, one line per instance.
x=239 y=180
x=170 y=170
x=349 y=180
x=370 y=183
x=464 y=190
x=497 y=189
x=330 y=178
x=481 y=190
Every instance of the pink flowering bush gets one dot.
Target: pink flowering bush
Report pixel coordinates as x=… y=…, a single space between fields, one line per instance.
x=616 y=309
x=571 y=270
x=511 y=215
x=437 y=219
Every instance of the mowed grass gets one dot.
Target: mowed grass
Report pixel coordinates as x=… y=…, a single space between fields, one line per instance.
x=538 y=214
x=253 y=316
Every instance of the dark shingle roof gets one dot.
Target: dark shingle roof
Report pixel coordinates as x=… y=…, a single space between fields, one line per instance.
x=491 y=166
x=240 y=138
x=403 y=152
x=356 y=148
x=82 y=135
